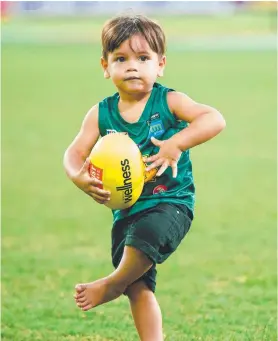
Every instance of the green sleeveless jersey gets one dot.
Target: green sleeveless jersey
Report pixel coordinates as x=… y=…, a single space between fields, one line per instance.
x=157 y=121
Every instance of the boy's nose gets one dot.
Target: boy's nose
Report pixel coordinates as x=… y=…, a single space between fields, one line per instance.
x=131 y=69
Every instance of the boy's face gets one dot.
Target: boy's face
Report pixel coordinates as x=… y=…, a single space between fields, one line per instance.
x=134 y=66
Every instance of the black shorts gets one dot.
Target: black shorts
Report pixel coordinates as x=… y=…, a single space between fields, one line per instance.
x=156 y=231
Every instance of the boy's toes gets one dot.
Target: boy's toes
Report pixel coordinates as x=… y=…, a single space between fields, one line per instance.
x=83 y=304
x=79 y=296
x=80 y=300
x=80 y=287
x=87 y=307
x=79 y=304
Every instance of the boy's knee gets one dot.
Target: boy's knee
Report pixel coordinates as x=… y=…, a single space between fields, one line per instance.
x=136 y=290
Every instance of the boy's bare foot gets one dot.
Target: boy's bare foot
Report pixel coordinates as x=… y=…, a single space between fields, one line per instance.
x=89 y=295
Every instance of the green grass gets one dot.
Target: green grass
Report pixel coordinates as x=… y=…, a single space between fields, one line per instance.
x=247 y=24
x=221 y=283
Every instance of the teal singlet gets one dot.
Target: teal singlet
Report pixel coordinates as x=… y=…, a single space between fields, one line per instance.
x=158 y=121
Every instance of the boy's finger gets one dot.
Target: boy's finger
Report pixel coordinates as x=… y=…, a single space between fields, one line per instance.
x=163 y=168
x=155 y=164
x=101 y=192
x=102 y=202
x=99 y=197
x=151 y=158
x=156 y=142
x=95 y=196
x=174 y=169
x=95 y=181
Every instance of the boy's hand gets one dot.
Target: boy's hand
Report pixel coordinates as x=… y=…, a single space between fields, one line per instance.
x=168 y=155
x=89 y=185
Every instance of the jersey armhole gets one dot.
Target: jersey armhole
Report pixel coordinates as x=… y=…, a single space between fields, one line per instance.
x=101 y=119
x=171 y=116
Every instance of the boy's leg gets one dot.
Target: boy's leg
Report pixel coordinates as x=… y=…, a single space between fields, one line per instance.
x=145 y=311
x=133 y=265
x=151 y=238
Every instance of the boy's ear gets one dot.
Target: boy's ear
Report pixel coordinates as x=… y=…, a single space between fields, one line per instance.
x=104 y=65
x=161 y=64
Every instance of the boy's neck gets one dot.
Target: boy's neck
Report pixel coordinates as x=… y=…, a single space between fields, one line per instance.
x=131 y=106
x=134 y=97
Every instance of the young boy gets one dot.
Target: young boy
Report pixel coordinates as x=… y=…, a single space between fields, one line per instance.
x=165 y=124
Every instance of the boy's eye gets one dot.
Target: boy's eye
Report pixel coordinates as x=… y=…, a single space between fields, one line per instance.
x=143 y=58
x=120 y=59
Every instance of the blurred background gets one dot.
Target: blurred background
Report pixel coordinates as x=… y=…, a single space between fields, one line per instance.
x=221 y=283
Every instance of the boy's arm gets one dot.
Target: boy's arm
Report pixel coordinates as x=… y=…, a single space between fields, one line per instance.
x=81 y=146
x=78 y=152
x=205 y=121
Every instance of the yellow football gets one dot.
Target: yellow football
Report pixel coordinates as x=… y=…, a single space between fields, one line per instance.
x=117 y=162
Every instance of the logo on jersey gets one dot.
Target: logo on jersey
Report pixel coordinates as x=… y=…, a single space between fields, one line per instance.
x=110 y=131
x=155 y=116
x=113 y=131
x=156 y=126
x=160 y=189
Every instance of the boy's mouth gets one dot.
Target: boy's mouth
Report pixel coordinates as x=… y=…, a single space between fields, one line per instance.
x=132 y=78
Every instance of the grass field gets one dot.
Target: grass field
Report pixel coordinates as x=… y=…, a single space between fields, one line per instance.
x=221 y=283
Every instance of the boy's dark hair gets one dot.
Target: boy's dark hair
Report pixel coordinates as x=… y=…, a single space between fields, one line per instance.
x=121 y=28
